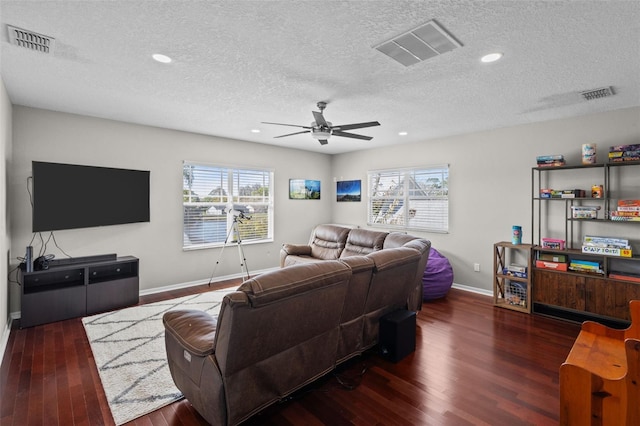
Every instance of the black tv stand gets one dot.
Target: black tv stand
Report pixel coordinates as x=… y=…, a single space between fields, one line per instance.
x=78 y=288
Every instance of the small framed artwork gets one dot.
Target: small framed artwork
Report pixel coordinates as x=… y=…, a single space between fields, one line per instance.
x=349 y=190
x=304 y=189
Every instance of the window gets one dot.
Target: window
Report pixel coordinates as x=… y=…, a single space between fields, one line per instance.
x=214 y=197
x=405 y=199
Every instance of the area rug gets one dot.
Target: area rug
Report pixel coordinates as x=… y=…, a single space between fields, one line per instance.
x=128 y=348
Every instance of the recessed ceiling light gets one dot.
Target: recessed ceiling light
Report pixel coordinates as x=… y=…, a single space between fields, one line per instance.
x=255 y=130
x=402 y=133
x=161 y=58
x=491 y=57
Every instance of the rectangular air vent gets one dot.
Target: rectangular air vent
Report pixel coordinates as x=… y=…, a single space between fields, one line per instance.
x=597 y=93
x=30 y=40
x=421 y=43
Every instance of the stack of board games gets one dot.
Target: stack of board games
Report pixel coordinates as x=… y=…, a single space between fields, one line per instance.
x=620 y=153
x=515 y=270
x=550 y=160
x=557 y=262
x=606 y=245
x=628 y=211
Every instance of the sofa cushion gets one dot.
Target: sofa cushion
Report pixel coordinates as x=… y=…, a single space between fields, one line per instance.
x=269 y=287
x=328 y=241
x=363 y=241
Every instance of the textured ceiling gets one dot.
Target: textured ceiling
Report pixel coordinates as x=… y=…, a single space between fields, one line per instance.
x=238 y=63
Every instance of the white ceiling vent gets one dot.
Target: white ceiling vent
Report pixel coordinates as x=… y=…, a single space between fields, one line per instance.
x=424 y=42
x=597 y=93
x=30 y=40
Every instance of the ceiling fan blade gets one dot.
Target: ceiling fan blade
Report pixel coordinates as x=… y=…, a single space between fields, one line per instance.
x=323 y=141
x=291 y=134
x=319 y=118
x=350 y=135
x=290 y=125
x=356 y=125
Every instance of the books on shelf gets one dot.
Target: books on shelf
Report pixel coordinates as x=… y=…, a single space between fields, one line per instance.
x=585 y=266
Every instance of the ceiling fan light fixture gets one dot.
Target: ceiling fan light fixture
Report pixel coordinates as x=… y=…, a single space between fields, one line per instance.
x=321 y=134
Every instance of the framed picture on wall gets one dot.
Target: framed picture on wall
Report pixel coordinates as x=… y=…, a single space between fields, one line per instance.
x=349 y=190
x=304 y=189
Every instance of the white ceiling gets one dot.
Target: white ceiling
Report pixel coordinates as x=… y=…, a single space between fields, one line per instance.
x=238 y=63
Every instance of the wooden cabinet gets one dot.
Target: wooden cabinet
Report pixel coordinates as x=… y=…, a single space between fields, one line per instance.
x=575 y=295
x=76 y=290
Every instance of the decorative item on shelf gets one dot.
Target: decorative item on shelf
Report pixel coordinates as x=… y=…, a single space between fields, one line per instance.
x=550 y=160
x=621 y=153
x=589 y=153
x=516 y=234
x=553 y=243
x=584 y=212
x=597 y=191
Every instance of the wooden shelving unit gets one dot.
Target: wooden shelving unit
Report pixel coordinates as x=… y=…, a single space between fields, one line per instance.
x=581 y=296
x=509 y=291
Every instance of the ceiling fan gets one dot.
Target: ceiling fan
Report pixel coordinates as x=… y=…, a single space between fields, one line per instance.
x=322 y=129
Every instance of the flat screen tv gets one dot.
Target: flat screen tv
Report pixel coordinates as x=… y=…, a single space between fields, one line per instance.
x=70 y=196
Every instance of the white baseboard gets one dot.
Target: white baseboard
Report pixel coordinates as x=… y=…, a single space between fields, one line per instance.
x=200 y=282
x=476 y=290
x=4 y=339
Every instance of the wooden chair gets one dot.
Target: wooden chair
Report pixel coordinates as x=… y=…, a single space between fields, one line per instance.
x=600 y=379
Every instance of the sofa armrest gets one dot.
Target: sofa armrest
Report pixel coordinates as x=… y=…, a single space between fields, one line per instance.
x=297 y=249
x=194 y=330
x=293 y=250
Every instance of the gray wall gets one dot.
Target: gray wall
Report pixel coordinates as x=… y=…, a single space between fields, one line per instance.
x=51 y=136
x=489 y=187
x=490 y=181
x=5 y=161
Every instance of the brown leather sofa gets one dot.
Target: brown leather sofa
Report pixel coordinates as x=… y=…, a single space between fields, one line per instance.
x=283 y=329
x=328 y=242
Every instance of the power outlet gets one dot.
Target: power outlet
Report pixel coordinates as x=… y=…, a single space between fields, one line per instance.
x=476 y=267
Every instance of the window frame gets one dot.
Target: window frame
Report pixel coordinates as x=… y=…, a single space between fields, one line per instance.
x=404 y=219
x=229 y=178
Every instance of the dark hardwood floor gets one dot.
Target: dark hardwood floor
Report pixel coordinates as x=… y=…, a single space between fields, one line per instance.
x=474 y=365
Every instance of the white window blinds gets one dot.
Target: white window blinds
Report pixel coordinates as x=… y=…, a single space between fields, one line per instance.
x=212 y=198
x=416 y=198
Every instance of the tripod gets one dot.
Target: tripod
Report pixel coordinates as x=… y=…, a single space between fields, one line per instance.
x=243 y=260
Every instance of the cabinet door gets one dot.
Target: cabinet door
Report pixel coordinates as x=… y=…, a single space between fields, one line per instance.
x=558 y=289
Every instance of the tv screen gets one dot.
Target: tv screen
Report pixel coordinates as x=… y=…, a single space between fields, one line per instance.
x=69 y=196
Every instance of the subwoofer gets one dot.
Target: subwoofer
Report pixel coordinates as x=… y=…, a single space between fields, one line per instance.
x=397 y=335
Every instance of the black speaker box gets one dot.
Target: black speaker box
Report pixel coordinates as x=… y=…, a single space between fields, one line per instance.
x=397 y=335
